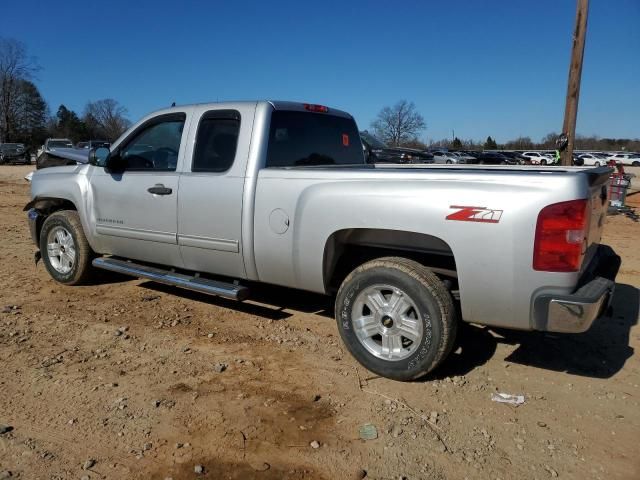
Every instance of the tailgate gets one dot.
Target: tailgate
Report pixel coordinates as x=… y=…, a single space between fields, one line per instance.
x=598 y=204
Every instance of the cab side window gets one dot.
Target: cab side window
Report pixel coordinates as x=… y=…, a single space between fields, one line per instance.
x=155 y=147
x=216 y=141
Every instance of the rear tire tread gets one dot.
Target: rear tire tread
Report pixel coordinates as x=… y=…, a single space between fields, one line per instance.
x=430 y=281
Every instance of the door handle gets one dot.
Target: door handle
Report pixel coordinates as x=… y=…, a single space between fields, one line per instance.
x=159 y=189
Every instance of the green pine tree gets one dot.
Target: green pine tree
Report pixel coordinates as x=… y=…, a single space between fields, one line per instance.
x=490 y=144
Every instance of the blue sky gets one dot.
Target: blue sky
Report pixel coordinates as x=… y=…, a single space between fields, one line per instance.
x=481 y=68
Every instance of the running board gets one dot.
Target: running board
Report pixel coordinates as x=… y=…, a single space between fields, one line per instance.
x=195 y=283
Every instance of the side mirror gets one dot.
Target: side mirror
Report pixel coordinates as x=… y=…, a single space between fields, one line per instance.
x=98 y=156
x=115 y=163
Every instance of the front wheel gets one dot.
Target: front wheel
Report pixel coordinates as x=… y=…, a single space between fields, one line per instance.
x=65 y=251
x=635 y=164
x=396 y=318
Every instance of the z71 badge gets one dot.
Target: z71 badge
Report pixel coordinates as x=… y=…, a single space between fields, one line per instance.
x=475 y=214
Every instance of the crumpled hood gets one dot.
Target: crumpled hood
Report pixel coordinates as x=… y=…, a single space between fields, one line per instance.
x=77 y=155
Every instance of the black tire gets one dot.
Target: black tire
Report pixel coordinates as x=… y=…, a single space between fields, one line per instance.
x=434 y=310
x=635 y=164
x=449 y=161
x=81 y=269
x=596 y=164
x=543 y=162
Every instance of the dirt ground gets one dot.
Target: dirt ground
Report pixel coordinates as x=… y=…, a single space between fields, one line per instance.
x=127 y=379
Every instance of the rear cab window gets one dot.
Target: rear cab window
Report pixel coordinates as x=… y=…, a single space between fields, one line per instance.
x=303 y=139
x=216 y=141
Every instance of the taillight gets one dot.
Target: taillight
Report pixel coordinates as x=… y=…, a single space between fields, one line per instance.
x=311 y=107
x=560 y=234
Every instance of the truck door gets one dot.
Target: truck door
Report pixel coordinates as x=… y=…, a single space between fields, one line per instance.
x=211 y=190
x=135 y=208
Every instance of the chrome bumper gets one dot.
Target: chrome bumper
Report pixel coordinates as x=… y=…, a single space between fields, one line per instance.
x=575 y=313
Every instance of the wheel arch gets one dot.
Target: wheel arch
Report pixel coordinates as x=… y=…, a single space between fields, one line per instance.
x=45 y=206
x=346 y=249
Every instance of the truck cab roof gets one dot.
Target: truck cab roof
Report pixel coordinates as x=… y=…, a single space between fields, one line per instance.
x=276 y=104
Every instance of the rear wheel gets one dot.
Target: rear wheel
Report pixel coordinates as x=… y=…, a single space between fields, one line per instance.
x=396 y=318
x=449 y=161
x=635 y=164
x=65 y=251
x=596 y=164
x=543 y=162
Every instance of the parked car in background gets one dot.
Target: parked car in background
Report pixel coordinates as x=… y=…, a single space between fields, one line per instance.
x=536 y=158
x=447 y=157
x=14 y=153
x=93 y=144
x=515 y=157
x=377 y=152
x=577 y=160
x=466 y=156
x=632 y=159
x=51 y=144
x=593 y=159
x=494 y=158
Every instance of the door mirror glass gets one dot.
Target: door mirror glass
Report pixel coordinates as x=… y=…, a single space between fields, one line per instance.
x=114 y=163
x=98 y=156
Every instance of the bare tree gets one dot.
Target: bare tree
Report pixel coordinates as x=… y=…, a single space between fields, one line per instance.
x=520 y=143
x=549 y=140
x=400 y=124
x=15 y=67
x=106 y=118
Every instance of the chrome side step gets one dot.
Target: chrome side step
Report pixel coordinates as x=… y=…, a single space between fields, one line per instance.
x=202 y=285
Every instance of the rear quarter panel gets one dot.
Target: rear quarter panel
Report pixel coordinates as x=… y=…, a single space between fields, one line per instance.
x=494 y=260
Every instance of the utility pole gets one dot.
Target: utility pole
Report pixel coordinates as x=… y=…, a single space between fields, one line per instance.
x=575 y=73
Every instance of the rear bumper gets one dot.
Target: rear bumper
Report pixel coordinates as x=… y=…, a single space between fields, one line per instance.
x=575 y=313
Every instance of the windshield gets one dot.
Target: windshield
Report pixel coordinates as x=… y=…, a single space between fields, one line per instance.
x=372 y=141
x=60 y=144
x=11 y=146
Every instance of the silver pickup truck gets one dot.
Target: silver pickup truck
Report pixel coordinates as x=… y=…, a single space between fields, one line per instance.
x=208 y=197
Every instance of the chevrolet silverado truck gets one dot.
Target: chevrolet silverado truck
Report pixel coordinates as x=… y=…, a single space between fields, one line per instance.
x=216 y=197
